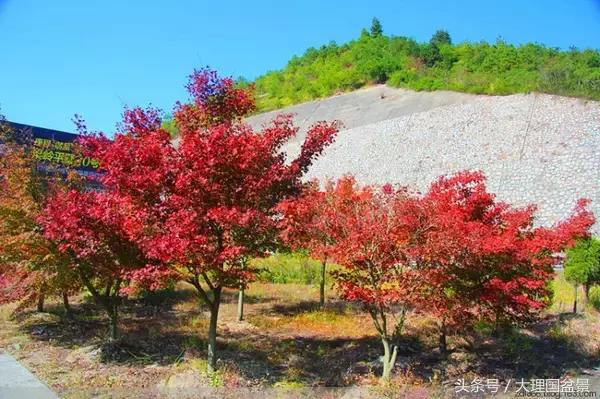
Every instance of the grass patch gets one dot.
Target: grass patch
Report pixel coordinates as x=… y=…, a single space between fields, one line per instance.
x=595 y=297
x=215 y=379
x=288 y=384
x=328 y=322
x=283 y=268
x=295 y=345
x=563 y=294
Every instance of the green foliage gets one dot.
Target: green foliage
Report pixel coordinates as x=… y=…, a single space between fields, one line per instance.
x=498 y=68
x=282 y=268
x=215 y=378
x=440 y=37
x=170 y=125
x=582 y=264
x=376 y=28
x=595 y=297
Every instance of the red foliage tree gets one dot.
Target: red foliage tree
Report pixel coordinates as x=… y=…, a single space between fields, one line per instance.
x=31 y=266
x=372 y=240
x=90 y=227
x=205 y=203
x=455 y=252
x=482 y=259
x=308 y=224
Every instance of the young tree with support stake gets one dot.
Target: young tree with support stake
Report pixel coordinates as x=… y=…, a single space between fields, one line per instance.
x=205 y=203
x=582 y=266
x=308 y=224
x=371 y=244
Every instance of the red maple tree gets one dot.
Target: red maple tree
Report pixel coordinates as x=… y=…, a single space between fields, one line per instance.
x=455 y=253
x=89 y=226
x=205 y=202
x=308 y=224
x=31 y=266
x=482 y=259
x=371 y=243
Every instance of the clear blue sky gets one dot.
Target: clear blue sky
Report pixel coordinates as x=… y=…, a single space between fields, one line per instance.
x=93 y=57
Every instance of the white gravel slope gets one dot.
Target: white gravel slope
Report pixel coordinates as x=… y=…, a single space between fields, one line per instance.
x=534 y=148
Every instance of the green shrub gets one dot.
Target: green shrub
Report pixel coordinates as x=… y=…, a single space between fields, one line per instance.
x=498 y=68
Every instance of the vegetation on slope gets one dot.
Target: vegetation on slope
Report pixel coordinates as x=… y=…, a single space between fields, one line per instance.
x=499 y=68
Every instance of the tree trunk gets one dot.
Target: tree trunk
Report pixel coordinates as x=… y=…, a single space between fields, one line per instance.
x=586 y=289
x=66 y=303
x=40 y=302
x=109 y=301
x=212 y=330
x=575 y=300
x=443 y=346
x=322 y=285
x=389 y=358
x=114 y=324
x=240 y=307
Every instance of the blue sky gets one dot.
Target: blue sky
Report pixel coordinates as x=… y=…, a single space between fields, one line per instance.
x=94 y=57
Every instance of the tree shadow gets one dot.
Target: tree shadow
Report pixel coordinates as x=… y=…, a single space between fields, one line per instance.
x=149 y=329
x=537 y=352
x=231 y=296
x=293 y=309
x=541 y=351
x=82 y=326
x=310 y=361
x=145 y=337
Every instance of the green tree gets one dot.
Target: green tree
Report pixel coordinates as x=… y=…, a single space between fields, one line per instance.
x=376 y=28
x=440 y=37
x=170 y=125
x=487 y=68
x=582 y=265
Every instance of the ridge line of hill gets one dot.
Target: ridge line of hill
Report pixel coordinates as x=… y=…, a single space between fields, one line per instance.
x=479 y=68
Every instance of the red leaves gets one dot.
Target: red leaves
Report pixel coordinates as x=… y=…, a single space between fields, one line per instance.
x=320 y=135
x=216 y=100
x=150 y=277
x=91 y=226
x=354 y=226
x=454 y=252
x=487 y=254
x=203 y=203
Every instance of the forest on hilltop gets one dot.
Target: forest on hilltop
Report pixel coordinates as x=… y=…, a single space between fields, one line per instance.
x=484 y=68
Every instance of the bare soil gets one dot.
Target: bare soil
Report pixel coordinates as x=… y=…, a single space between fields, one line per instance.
x=284 y=343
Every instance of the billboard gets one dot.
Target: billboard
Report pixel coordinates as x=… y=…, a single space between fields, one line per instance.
x=54 y=151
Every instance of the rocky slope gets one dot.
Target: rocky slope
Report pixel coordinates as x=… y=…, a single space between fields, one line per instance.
x=533 y=148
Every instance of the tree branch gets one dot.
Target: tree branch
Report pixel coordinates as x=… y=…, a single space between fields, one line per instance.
x=207 y=280
x=196 y=283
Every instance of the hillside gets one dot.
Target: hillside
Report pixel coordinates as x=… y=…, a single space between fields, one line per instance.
x=534 y=148
x=484 y=68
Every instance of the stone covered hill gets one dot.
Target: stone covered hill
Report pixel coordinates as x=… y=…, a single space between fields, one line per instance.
x=534 y=148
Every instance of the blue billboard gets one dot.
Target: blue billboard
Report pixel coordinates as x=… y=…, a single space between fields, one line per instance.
x=54 y=151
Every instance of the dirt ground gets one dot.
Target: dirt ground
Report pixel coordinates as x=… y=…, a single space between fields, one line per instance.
x=285 y=346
